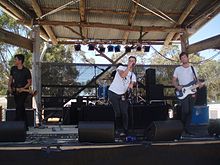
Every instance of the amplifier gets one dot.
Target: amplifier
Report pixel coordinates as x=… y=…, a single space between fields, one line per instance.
x=10 y=115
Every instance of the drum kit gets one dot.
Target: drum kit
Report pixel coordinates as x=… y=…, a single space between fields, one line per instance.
x=137 y=96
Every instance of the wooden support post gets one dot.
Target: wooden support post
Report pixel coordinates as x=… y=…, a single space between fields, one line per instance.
x=36 y=70
x=184 y=41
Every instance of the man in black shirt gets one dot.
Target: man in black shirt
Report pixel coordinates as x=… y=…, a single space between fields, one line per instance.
x=19 y=81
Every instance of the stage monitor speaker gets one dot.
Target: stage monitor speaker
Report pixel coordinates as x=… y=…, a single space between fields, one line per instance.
x=150 y=78
x=214 y=127
x=12 y=131
x=164 y=130
x=96 y=131
x=11 y=114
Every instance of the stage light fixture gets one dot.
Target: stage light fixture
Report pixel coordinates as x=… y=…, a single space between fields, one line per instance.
x=127 y=49
x=91 y=47
x=138 y=48
x=77 y=47
x=117 y=48
x=110 y=48
x=101 y=48
x=146 y=48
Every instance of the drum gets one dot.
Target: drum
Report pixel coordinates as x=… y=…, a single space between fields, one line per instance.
x=103 y=92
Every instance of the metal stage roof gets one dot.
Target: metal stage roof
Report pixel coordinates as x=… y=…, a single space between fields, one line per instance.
x=107 y=21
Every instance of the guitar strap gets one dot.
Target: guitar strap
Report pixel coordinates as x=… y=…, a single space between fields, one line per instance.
x=194 y=72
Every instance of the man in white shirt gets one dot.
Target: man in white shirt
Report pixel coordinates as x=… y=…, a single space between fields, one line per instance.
x=123 y=81
x=182 y=76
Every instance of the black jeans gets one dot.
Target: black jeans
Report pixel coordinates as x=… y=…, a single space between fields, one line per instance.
x=186 y=111
x=20 y=107
x=120 y=108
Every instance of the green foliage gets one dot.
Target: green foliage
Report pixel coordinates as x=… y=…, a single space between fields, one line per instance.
x=208 y=70
x=58 y=53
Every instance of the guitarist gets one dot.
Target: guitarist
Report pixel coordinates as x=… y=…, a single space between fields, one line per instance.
x=185 y=74
x=20 y=78
x=123 y=81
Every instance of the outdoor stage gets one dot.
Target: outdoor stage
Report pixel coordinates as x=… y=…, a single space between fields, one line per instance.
x=58 y=144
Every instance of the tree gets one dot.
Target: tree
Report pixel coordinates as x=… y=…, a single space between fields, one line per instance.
x=209 y=70
x=6 y=50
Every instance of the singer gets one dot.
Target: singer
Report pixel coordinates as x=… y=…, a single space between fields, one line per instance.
x=123 y=81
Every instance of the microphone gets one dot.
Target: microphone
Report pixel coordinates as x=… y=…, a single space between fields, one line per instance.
x=133 y=64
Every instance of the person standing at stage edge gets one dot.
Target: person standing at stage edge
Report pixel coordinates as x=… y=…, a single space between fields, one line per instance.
x=121 y=84
x=20 y=78
x=182 y=76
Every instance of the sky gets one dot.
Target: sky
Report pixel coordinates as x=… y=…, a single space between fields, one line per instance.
x=210 y=29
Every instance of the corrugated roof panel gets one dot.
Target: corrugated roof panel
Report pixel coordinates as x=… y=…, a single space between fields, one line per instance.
x=107 y=18
x=104 y=33
x=107 y=12
x=64 y=16
x=63 y=32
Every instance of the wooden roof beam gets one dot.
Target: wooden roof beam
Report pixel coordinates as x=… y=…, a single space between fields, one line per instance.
x=111 y=41
x=82 y=11
x=75 y=32
x=131 y=18
x=21 y=19
x=210 y=43
x=15 y=39
x=110 y=11
x=183 y=16
x=47 y=28
x=12 y=8
x=112 y=26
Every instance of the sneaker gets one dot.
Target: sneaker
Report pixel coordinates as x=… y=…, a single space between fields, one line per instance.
x=122 y=134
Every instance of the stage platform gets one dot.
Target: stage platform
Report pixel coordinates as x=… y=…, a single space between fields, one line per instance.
x=58 y=144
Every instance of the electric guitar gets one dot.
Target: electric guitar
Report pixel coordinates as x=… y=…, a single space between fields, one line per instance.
x=187 y=90
x=20 y=90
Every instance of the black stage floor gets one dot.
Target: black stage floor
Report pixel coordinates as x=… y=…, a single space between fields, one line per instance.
x=59 y=145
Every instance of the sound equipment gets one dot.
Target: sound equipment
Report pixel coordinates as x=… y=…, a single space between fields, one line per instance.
x=71 y=114
x=50 y=102
x=96 y=113
x=30 y=113
x=214 y=127
x=11 y=102
x=164 y=130
x=150 y=78
x=12 y=131
x=200 y=115
x=201 y=96
x=155 y=92
x=144 y=115
x=96 y=131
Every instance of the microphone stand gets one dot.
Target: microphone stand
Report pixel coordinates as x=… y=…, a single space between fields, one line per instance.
x=131 y=102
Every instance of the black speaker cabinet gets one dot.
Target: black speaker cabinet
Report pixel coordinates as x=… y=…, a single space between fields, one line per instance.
x=201 y=96
x=12 y=131
x=10 y=116
x=155 y=92
x=11 y=102
x=214 y=127
x=164 y=130
x=96 y=113
x=150 y=78
x=96 y=131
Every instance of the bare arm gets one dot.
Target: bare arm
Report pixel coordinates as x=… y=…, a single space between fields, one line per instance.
x=175 y=84
x=28 y=84
x=124 y=73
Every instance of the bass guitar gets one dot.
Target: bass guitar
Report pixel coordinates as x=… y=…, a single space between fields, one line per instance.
x=187 y=90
